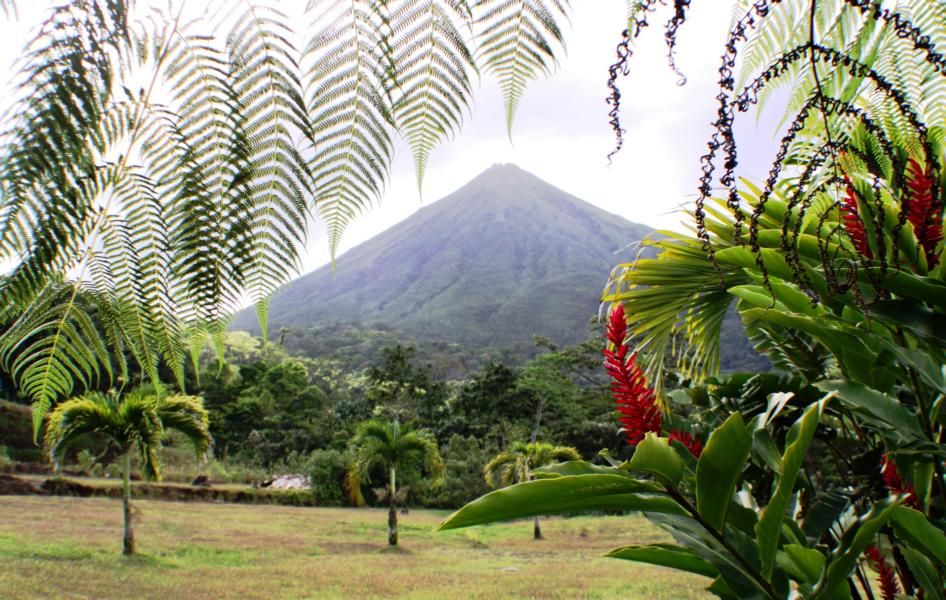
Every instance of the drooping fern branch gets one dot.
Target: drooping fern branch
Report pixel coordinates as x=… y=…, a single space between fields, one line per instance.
x=160 y=172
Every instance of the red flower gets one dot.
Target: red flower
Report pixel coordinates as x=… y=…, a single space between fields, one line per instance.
x=636 y=402
x=694 y=445
x=851 y=220
x=924 y=214
x=889 y=588
x=896 y=485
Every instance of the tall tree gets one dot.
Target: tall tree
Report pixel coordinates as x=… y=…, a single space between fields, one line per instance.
x=391 y=447
x=134 y=423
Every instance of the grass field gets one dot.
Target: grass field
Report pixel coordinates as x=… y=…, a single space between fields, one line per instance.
x=69 y=548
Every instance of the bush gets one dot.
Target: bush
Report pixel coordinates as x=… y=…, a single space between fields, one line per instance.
x=464 y=459
x=326 y=470
x=88 y=463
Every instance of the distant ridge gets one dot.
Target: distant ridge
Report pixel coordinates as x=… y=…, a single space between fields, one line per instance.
x=505 y=257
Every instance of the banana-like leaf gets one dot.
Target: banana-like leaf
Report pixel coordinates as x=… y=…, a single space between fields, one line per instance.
x=655 y=456
x=666 y=555
x=567 y=494
x=804 y=564
x=579 y=467
x=769 y=528
x=879 y=410
x=913 y=526
x=861 y=534
x=925 y=573
x=719 y=469
x=925 y=324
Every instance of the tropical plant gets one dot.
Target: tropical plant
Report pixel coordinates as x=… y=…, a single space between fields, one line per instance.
x=516 y=464
x=134 y=423
x=160 y=166
x=391 y=447
x=836 y=268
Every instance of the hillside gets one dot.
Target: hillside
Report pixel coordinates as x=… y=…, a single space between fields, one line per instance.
x=503 y=258
x=480 y=272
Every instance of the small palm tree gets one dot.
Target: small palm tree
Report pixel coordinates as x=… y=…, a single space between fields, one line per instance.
x=516 y=464
x=391 y=446
x=133 y=422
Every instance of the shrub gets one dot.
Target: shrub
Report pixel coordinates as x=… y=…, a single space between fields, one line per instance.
x=326 y=471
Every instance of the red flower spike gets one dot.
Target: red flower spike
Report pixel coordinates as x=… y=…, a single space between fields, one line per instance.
x=635 y=401
x=923 y=213
x=692 y=444
x=851 y=220
x=896 y=485
x=889 y=588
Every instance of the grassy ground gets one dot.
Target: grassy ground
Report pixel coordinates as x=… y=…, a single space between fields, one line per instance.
x=69 y=548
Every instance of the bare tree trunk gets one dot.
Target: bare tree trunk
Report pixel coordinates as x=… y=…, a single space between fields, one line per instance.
x=392 y=511
x=536 y=530
x=128 y=539
x=538 y=421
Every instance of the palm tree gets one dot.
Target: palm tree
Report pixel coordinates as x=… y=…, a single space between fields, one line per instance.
x=392 y=447
x=133 y=422
x=516 y=464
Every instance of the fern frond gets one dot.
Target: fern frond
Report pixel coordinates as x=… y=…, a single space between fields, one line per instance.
x=517 y=43
x=54 y=346
x=432 y=77
x=350 y=111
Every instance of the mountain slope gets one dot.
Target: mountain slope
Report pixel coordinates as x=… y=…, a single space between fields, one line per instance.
x=505 y=257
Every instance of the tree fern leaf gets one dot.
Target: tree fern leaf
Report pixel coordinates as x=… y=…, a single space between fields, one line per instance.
x=350 y=112
x=432 y=85
x=517 y=43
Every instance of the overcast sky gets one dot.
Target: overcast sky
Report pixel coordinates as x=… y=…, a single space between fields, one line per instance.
x=561 y=131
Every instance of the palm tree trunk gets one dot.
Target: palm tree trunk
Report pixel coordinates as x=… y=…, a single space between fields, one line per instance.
x=392 y=511
x=536 y=530
x=128 y=540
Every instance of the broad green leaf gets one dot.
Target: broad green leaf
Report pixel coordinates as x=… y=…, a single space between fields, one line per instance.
x=925 y=573
x=854 y=541
x=567 y=494
x=855 y=355
x=913 y=527
x=804 y=564
x=719 y=469
x=880 y=410
x=655 y=456
x=579 y=467
x=915 y=317
x=666 y=555
x=764 y=447
x=768 y=530
x=823 y=513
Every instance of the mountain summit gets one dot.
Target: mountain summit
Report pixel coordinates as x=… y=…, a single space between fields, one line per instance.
x=505 y=257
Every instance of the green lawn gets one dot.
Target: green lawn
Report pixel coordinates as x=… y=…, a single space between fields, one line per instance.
x=54 y=547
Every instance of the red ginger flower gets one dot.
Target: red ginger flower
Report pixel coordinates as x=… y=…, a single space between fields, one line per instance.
x=923 y=212
x=889 y=588
x=851 y=220
x=636 y=402
x=694 y=445
x=896 y=485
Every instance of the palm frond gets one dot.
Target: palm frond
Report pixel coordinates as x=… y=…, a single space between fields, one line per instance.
x=187 y=415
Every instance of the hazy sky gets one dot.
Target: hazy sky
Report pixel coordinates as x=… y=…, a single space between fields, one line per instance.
x=561 y=131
